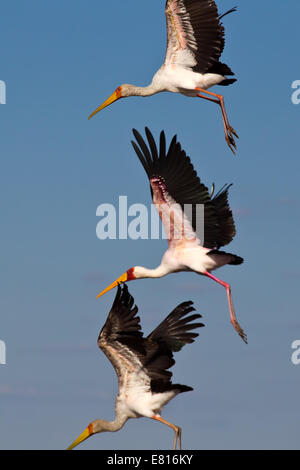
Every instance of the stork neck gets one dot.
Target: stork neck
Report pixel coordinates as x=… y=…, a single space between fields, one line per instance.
x=111 y=426
x=149 y=90
x=118 y=423
x=143 y=273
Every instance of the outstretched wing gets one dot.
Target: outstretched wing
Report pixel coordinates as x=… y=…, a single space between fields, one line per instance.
x=195 y=34
x=224 y=215
x=173 y=180
x=170 y=336
x=140 y=361
x=121 y=338
x=175 y=330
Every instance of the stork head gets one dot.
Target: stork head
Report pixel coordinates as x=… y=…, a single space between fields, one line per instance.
x=121 y=92
x=129 y=275
x=95 y=427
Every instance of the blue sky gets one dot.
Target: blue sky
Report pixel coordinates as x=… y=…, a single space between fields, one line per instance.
x=59 y=61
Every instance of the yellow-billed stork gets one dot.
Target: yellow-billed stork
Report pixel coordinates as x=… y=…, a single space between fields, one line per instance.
x=177 y=194
x=142 y=364
x=195 y=44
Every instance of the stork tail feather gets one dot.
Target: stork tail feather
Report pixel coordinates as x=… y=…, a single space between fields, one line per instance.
x=235 y=260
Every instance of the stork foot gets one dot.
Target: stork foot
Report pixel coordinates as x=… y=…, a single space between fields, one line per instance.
x=234 y=132
x=240 y=331
x=229 y=136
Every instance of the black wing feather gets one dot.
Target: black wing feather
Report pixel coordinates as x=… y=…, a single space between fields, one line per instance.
x=224 y=214
x=174 y=331
x=203 y=32
x=122 y=341
x=184 y=186
x=122 y=324
x=170 y=336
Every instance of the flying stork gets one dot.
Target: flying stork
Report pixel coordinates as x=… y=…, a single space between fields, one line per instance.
x=195 y=42
x=142 y=364
x=178 y=194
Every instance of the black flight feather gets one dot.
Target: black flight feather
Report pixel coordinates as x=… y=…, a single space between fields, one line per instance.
x=121 y=336
x=176 y=171
x=204 y=33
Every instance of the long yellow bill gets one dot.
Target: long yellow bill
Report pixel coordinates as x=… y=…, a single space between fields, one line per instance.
x=114 y=97
x=124 y=278
x=83 y=436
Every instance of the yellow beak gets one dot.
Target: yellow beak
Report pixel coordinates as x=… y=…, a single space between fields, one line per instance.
x=120 y=280
x=114 y=97
x=83 y=436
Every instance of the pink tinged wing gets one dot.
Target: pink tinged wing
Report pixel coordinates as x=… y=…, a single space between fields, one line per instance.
x=177 y=45
x=177 y=227
x=195 y=34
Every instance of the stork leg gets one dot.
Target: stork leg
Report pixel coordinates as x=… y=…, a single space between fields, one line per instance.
x=229 y=131
x=176 y=429
x=233 y=318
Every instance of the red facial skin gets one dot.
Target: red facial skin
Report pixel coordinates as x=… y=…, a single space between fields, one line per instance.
x=130 y=274
x=119 y=92
x=91 y=429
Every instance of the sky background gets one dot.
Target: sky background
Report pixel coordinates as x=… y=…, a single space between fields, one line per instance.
x=60 y=60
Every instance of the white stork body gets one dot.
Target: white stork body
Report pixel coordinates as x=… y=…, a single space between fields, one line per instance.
x=192 y=258
x=141 y=402
x=142 y=364
x=194 y=46
x=177 y=192
x=178 y=79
